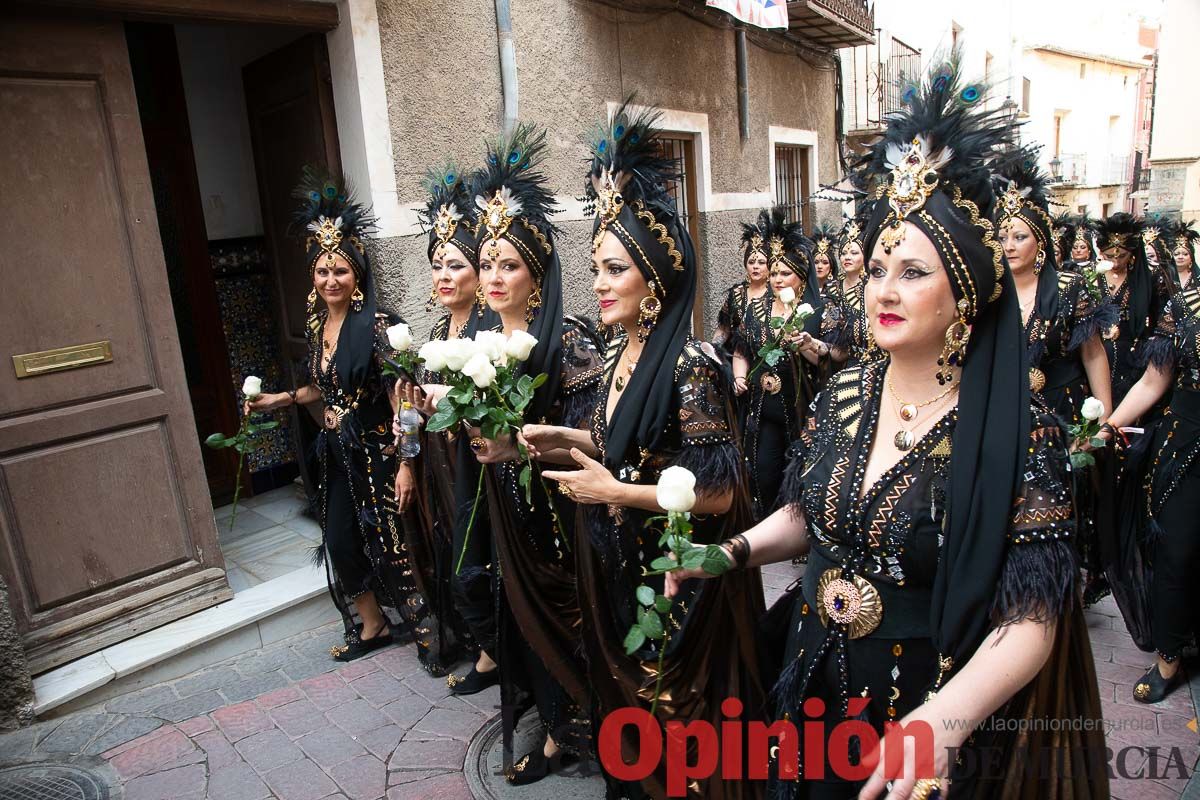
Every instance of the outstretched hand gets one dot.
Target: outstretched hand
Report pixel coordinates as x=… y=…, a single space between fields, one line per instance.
x=591 y=484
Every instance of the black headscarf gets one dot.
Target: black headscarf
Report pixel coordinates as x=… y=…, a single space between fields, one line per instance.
x=1125 y=231
x=825 y=242
x=514 y=205
x=336 y=226
x=783 y=242
x=1021 y=188
x=932 y=167
x=1181 y=234
x=627 y=185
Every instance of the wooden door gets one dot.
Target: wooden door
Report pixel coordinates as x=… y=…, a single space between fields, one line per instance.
x=106 y=529
x=289 y=100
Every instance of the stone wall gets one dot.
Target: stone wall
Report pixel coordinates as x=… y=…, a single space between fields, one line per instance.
x=16 y=687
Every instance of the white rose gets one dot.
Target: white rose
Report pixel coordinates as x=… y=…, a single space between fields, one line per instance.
x=676 y=489
x=491 y=344
x=805 y=310
x=787 y=296
x=458 y=353
x=480 y=370
x=400 y=337
x=1103 y=266
x=433 y=353
x=252 y=387
x=520 y=345
x=1092 y=409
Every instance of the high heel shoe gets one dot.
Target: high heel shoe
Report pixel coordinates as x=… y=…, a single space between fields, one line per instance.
x=1153 y=687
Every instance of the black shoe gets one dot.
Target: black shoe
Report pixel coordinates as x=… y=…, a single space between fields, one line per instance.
x=534 y=766
x=473 y=682
x=1153 y=687
x=360 y=647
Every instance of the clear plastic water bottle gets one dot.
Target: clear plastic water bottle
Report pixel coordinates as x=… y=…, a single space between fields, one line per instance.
x=410 y=431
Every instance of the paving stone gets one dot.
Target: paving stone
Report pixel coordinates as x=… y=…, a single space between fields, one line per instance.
x=140 y=702
x=356 y=669
x=317 y=647
x=241 y=720
x=149 y=752
x=279 y=697
x=252 y=687
x=1131 y=657
x=454 y=724
x=357 y=716
x=219 y=751
x=268 y=750
x=427 y=686
x=398 y=777
x=448 y=786
x=298 y=718
x=196 y=726
x=19 y=743
x=300 y=781
x=76 y=731
x=183 y=783
x=215 y=678
x=263 y=661
x=382 y=741
x=361 y=778
x=328 y=691
x=302 y=668
x=124 y=731
x=236 y=782
x=379 y=688
x=400 y=662
x=407 y=711
x=443 y=754
x=329 y=747
x=192 y=706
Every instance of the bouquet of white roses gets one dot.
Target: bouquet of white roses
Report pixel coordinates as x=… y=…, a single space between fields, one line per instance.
x=1086 y=431
x=792 y=322
x=1091 y=278
x=676 y=493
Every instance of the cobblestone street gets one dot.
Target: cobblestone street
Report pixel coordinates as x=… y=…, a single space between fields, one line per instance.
x=283 y=723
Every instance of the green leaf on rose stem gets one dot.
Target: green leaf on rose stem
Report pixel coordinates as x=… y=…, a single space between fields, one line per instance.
x=1098 y=442
x=716 y=561
x=442 y=420
x=1079 y=460
x=651 y=625
x=216 y=441
x=243 y=447
x=664 y=562
x=1074 y=430
x=498 y=415
x=662 y=604
x=694 y=558
x=525 y=384
x=772 y=358
x=645 y=595
x=525 y=476
x=540 y=379
x=461 y=396
x=521 y=403
x=634 y=640
x=776 y=322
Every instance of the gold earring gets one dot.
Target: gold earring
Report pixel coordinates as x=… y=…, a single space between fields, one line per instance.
x=431 y=303
x=356 y=299
x=958 y=335
x=533 y=304
x=480 y=301
x=648 y=311
x=311 y=307
x=1039 y=262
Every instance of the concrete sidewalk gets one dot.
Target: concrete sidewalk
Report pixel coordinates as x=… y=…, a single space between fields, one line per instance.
x=288 y=722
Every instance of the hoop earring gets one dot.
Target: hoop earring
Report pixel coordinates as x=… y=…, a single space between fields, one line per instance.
x=533 y=304
x=648 y=311
x=310 y=307
x=1039 y=262
x=431 y=303
x=356 y=300
x=958 y=335
x=480 y=302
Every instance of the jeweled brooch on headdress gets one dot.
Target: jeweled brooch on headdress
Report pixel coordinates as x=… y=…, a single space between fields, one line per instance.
x=914 y=177
x=446 y=222
x=822 y=247
x=776 y=248
x=1151 y=234
x=328 y=233
x=853 y=232
x=499 y=212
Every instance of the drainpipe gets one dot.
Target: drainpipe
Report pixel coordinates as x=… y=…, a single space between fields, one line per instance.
x=743 y=83
x=508 y=63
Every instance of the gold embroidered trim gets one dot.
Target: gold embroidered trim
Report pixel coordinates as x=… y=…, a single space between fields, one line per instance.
x=660 y=232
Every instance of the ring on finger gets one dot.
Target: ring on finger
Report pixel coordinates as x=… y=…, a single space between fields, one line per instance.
x=566 y=490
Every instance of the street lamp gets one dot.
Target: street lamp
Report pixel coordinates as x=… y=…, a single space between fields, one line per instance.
x=1056 y=168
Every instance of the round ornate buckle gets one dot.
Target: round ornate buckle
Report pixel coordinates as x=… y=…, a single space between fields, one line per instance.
x=333 y=417
x=851 y=601
x=771 y=383
x=1037 y=379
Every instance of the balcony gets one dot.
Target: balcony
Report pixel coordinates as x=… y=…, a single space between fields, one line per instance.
x=872 y=77
x=1117 y=171
x=832 y=23
x=1069 y=169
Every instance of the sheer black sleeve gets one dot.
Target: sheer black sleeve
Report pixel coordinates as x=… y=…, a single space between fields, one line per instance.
x=1085 y=316
x=583 y=363
x=707 y=448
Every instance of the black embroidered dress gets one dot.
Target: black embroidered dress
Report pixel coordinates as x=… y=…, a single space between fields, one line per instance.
x=844 y=320
x=891 y=538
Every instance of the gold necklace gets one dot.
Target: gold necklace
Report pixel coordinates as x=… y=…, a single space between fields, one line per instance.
x=908 y=412
x=621 y=382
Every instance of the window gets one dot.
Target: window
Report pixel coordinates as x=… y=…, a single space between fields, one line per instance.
x=1025 y=92
x=682 y=148
x=791 y=182
x=1082 y=71
x=1107 y=210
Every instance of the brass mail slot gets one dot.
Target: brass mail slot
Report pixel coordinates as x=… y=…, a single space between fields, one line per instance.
x=29 y=365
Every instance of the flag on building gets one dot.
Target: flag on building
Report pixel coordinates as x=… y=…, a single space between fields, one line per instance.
x=763 y=13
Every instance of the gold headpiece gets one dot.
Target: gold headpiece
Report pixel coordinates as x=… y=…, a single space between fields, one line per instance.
x=1081 y=234
x=446 y=223
x=853 y=232
x=609 y=204
x=914 y=178
x=499 y=212
x=822 y=247
x=1150 y=234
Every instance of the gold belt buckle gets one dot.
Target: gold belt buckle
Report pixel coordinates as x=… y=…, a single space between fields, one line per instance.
x=853 y=602
x=771 y=383
x=333 y=417
x=1037 y=379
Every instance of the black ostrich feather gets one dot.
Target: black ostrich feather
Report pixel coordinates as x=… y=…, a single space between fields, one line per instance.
x=625 y=148
x=322 y=194
x=509 y=167
x=1019 y=168
x=447 y=186
x=945 y=114
x=1182 y=233
x=1121 y=229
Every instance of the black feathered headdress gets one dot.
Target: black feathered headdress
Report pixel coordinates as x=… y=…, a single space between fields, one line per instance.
x=627 y=185
x=825 y=243
x=852 y=233
x=932 y=169
x=450 y=213
x=1022 y=195
x=1124 y=231
x=1184 y=234
x=332 y=221
x=512 y=198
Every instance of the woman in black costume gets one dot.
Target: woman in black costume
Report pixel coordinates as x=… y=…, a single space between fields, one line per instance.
x=671 y=410
x=824 y=241
x=537 y=602
x=1078 y=242
x=362 y=541
x=933 y=499
x=777 y=396
x=1181 y=239
x=756 y=285
x=1164 y=485
x=1132 y=288
x=843 y=322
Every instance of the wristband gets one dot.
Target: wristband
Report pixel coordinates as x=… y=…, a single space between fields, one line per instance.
x=292 y=394
x=739 y=548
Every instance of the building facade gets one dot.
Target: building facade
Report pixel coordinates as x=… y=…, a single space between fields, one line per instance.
x=1175 y=143
x=158 y=141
